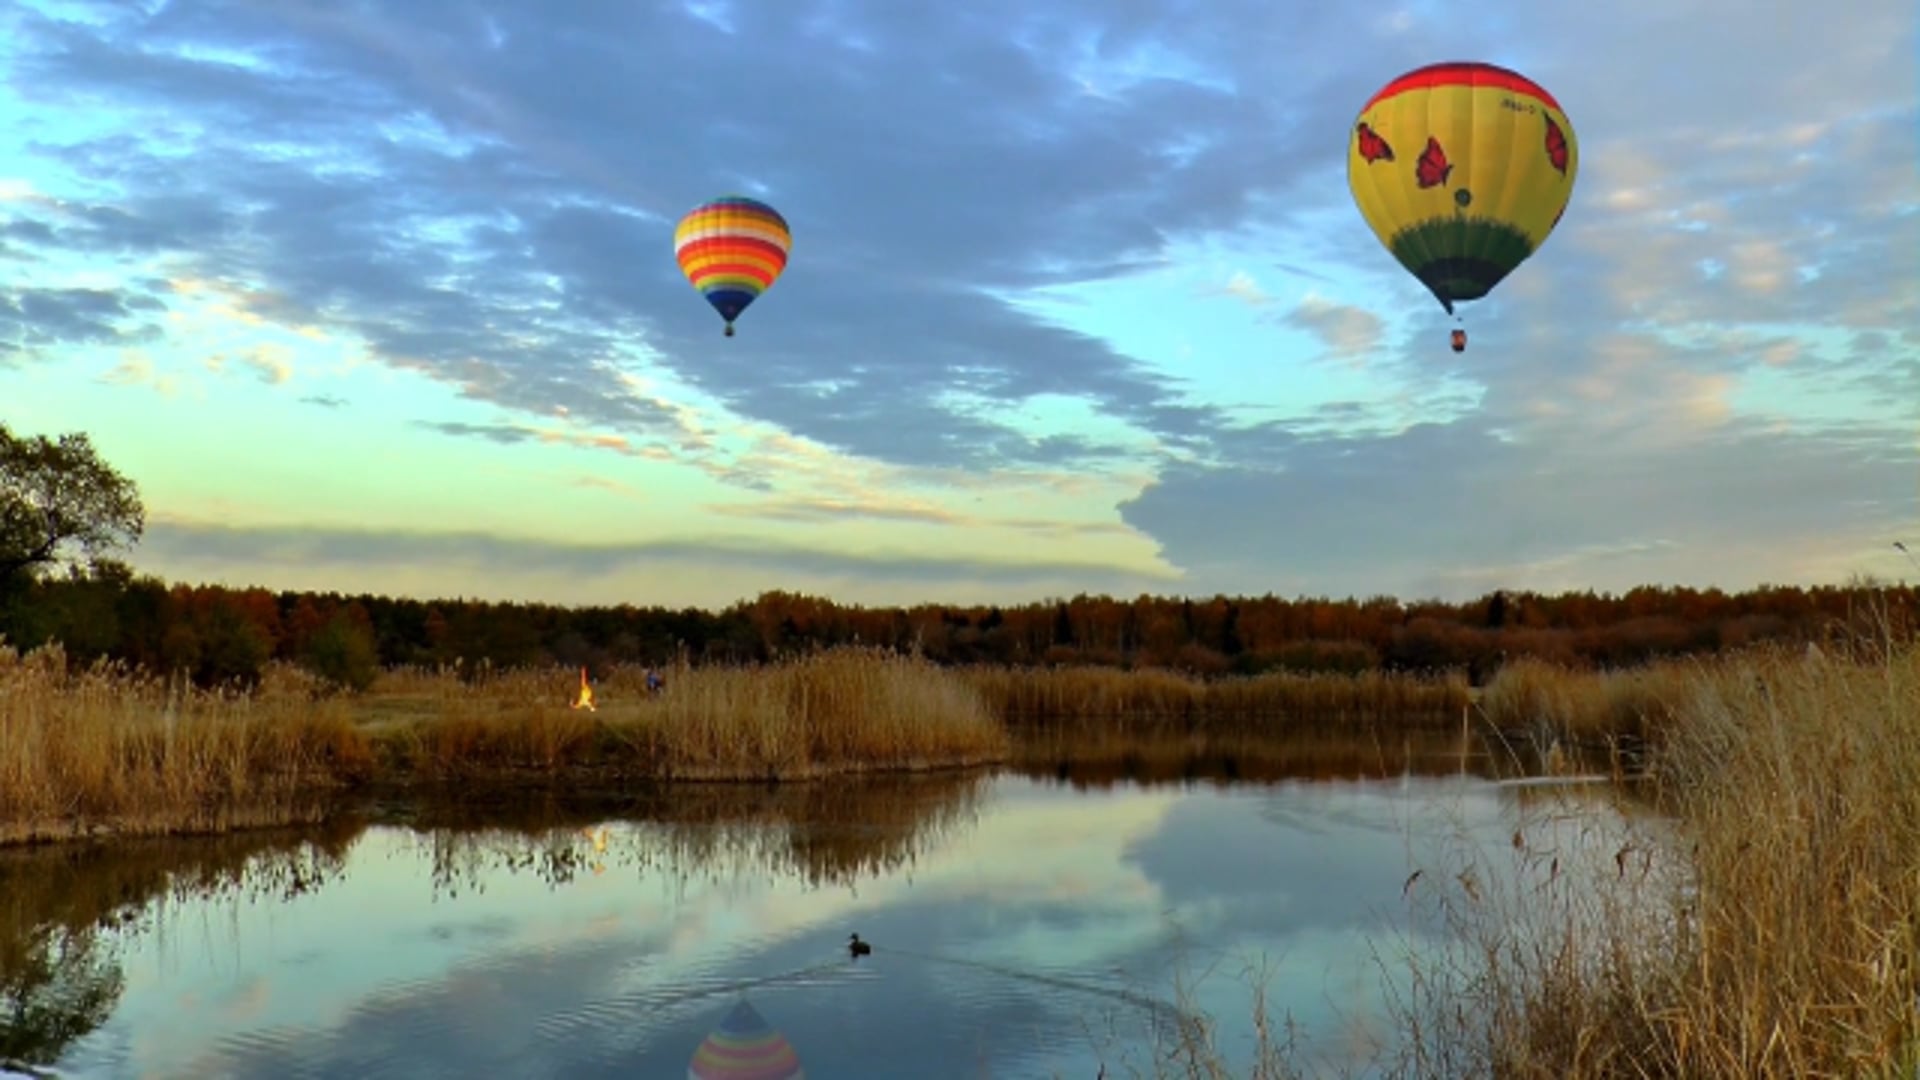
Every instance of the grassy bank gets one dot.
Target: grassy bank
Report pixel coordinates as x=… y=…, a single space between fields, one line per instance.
x=1153 y=699
x=114 y=750
x=1779 y=931
x=110 y=749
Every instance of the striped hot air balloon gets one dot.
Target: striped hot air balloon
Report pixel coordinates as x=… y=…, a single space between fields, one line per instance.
x=1462 y=170
x=732 y=249
x=744 y=1047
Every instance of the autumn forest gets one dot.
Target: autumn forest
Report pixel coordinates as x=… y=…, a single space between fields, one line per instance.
x=218 y=634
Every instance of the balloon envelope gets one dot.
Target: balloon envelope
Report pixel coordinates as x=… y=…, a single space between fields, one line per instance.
x=732 y=249
x=744 y=1047
x=1462 y=170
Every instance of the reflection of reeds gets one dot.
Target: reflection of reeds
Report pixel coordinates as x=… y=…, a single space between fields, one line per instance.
x=1089 y=756
x=820 y=833
x=1773 y=932
x=63 y=909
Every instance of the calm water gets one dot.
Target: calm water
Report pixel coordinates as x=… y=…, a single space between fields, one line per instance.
x=1022 y=927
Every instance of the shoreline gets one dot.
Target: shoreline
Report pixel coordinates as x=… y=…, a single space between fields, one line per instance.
x=1080 y=758
x=321 y=804
x=111 y=750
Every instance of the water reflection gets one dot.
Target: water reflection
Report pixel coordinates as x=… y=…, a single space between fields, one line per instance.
x=1021 y=927
x=744 y=1047
x=68 y=913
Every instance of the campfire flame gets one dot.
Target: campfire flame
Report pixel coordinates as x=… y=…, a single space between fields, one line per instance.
x=585 y=700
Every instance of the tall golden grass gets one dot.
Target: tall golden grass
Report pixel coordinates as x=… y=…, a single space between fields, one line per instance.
x=109 y=749
x=1262 y=704
x=114 y=749
x=1767 y=926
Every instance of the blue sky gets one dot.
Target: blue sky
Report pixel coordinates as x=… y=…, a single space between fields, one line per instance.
x=382 y=297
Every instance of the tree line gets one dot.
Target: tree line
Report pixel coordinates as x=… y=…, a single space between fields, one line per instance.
x=61 y=506
x=213 y=633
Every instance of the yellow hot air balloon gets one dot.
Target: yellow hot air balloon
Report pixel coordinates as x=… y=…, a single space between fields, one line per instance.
x=1462 y=170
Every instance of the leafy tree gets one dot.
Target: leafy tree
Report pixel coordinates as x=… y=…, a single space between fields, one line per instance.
x=342 y=653
x=58 y=498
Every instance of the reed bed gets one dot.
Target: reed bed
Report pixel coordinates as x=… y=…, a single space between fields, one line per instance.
x=1275 y=703
x=837 y=711
x=1581 y=706
x=1769 y=928
x=112 y=750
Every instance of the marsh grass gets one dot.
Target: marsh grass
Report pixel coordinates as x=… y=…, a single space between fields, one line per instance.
x=1771 y=926
x=1530 y=695
x=1274 y=704
x=109 y=749
x=837 y=711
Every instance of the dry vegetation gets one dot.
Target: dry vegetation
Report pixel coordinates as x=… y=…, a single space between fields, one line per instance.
x=110 y=748
x=107 y=749
x=1762 y=921
x=1768 y=926
x=1157 y=699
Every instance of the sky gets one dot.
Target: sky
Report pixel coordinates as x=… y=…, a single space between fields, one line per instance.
x=381 y=297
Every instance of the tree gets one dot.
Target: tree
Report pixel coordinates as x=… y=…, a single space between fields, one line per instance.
x=342 y=654
x=58 y=499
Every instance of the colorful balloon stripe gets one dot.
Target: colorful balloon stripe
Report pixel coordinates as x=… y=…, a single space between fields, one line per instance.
x=1462 y=73
x=732 y=249
x=745 y=1047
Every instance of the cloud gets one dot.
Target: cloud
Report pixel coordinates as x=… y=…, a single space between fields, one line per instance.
x=463 y=208
x=1348 y=332
x=138 y=369
x=487 y=201
x=40 y=318
x=174 y=545
x=1243 y=288
x=270 y=364
x=880 y=507
x=1448 y=509
x=515 y=434
x=841 y=510
x=1620 y=431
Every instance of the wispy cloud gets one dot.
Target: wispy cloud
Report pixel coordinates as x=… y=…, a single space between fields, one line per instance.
x=1718 y=343
x=268 y=363
x=495 y=565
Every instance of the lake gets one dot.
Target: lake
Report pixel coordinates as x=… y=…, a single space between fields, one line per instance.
x=1023 y=925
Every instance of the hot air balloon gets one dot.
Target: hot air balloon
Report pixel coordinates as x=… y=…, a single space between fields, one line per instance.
x=1462 y=169
x=732 y=249
x=744 y=1047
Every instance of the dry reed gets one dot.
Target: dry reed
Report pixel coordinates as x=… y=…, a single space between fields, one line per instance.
x=109 y=749
x=112 y=750
x=1579 y=706
x=1774 y=932
x=1276 y=703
